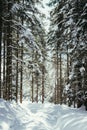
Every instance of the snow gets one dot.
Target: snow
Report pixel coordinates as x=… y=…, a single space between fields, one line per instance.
x=67 y=87
x=70 y=76
x=28 y=116
x=15 y=8
x=70 y=21
x=82 y=70
x=45 y=9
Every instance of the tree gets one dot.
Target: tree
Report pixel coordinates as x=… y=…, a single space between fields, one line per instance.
x=76 y=51
x=1 y=12
x=56 y=40
x=20 y=25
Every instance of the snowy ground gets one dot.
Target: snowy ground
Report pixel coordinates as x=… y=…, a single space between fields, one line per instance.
x=34 y=116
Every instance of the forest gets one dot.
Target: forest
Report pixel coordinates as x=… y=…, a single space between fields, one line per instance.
x=40 y=65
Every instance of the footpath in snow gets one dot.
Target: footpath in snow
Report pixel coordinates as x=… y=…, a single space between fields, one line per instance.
x=28 y=116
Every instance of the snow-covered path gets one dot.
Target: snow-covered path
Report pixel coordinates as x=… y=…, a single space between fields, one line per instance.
x=35 y=117
x=28 y=116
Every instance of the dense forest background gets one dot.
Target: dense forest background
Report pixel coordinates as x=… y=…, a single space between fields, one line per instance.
x=43 y=66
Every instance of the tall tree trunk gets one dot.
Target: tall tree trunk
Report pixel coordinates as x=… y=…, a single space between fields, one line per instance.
x=58 y=95
x=43 y=69
x=1 y=11
x=17 y=62
x=61 y=89
x=67 y=64
x=21 y=75
x=36 y=74
x=17 y=69
x=32 y=84
x=37 y=88
x=9 y=53
x=4 y=64
x=32 y=87
x=55 y=95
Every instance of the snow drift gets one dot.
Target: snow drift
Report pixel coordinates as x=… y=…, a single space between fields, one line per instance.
x=28 y=116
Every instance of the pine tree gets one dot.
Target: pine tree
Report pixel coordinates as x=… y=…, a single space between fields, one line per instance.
x=56 y=40
x=20 y=40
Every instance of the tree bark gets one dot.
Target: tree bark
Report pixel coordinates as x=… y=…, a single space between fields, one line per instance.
x=61 y=89
x=1 y=11
x=9 y=53
x=57 y=76
x=21 y=75
x=43 y=83
x=17 y=72
x=21 y=78
x=4 y=64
